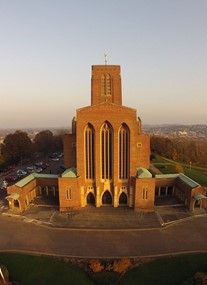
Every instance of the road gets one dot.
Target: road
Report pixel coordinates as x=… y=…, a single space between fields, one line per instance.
x=188 y=236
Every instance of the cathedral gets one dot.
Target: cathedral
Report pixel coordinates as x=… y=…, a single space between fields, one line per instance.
x=107 y=159
x=106 y=152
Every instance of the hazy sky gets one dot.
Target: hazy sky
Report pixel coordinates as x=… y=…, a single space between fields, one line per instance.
x=47 y=48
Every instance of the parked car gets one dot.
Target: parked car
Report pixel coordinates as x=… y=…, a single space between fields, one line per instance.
x=21 y=172
x=3 y=185
x=30 y=169
x=37 y=169
x=55 y=159
x=59 y=154
x=11 y=178
x=38 y=163
x=52 y=155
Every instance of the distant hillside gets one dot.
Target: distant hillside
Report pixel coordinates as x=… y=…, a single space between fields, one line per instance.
x=190 y=131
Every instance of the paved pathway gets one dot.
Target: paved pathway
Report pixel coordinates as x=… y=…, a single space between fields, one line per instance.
x=187 y=236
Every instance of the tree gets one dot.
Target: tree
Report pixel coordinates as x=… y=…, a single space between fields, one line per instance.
x=44 y=142
x=179 y=168
x=16 y=147
x=2 y=159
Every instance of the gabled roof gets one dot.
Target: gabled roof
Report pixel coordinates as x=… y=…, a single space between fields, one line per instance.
x=70 y=172
x=143 y=173
x=14 y=196
x=104 y=104
x=187 y=180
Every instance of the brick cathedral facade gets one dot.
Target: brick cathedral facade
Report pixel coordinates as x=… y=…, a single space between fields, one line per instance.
x=106 y=150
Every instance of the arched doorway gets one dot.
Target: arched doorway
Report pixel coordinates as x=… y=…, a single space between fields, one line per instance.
x=16 y=203
x=106 y=198
x=90 y=199
x=123 y=199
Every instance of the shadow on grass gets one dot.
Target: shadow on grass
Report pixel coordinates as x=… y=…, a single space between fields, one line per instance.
x=30 y=270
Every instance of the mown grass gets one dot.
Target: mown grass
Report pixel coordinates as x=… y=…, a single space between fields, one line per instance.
x=30 y=270
x=195 y=172
x=170 y=271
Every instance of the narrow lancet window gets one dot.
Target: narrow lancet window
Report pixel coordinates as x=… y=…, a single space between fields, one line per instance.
x=89 y=152
x=123 y=152
x=106 y=151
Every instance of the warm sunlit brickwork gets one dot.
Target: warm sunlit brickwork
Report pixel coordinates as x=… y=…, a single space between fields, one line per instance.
x=107 y=159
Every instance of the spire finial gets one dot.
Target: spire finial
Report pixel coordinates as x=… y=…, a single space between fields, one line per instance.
x=105 y=57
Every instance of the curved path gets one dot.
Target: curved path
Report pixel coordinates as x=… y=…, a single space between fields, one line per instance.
x=188 y=236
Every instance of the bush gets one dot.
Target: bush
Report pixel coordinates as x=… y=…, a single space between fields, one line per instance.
x=122 y=265
x=200 y=278
x=95 y=265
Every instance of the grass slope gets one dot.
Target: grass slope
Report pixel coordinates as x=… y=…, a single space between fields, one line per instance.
x=170 y=271
x=166 y=166
x=30 y=270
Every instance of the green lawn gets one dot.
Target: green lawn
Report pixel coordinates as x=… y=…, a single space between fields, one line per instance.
x=166 y=166
x=31 y=270
x=166 y=271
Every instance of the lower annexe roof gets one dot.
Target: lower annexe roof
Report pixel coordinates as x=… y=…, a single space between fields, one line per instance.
x=33 y=176
x=187 y=180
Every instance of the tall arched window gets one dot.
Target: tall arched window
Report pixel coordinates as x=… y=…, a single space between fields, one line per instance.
x=89 y=152
x=106 y=151
x=123 y=152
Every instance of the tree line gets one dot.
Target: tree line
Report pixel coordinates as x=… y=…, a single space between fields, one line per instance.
x=181 y=149
x=18 y=146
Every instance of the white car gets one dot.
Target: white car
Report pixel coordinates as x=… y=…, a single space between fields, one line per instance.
x=21 y=172
x=37 y=169
x=55 y=159
x=30 y=169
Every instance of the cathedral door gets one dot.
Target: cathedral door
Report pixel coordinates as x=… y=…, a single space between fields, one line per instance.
x=90 y=199
x=106 y=198
x=123 y=199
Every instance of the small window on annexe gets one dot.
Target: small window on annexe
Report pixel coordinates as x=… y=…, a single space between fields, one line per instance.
x=145 y=193
x=68 y=194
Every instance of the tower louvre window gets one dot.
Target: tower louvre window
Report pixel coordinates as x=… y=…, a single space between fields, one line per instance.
x=89 y=152
x=103 y=85
x=123 y=152
x=106 y=85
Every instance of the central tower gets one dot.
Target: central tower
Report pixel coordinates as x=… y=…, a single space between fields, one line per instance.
x=106 y=84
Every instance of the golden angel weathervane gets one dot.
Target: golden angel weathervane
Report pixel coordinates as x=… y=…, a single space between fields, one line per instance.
x=105 y=57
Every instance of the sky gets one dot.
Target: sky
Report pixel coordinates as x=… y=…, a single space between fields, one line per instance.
x=47 y=48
